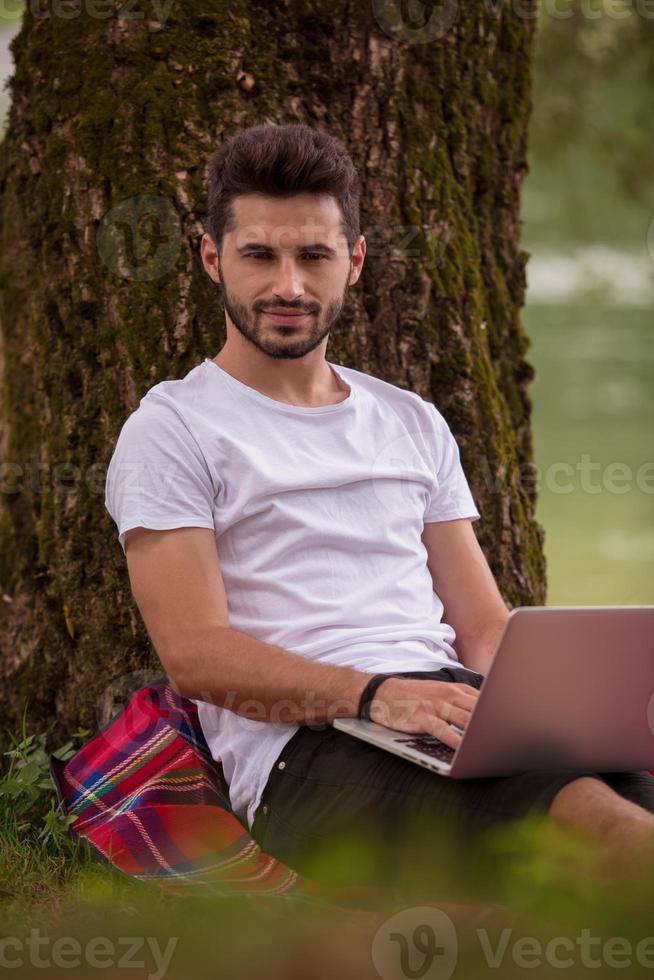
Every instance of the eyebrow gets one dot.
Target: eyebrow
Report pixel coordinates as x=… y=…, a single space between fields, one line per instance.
x=259 y=247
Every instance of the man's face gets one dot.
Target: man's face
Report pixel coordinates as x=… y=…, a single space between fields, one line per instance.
x=287 y=255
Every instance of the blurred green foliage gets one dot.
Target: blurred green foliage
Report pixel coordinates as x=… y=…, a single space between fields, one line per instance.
x=592 y=128
x=587 y=220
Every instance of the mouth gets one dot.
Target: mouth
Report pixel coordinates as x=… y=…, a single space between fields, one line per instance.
x=286 y=318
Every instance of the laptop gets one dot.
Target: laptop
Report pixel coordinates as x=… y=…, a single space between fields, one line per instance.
x=569 y=688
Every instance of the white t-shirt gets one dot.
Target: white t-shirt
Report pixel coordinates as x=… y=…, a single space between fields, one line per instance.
x=318 y=515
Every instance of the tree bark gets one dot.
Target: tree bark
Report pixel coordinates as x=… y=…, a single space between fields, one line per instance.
x=103 y=293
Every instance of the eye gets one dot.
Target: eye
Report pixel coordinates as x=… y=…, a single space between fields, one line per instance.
x=314 y=256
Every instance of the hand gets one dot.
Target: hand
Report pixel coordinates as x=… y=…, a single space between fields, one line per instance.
x=424 y=707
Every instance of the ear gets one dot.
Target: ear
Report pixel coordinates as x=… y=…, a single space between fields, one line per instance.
x=210 y=257
x=356 y=262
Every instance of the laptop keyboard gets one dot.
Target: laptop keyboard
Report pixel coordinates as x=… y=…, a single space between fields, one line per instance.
x=430 y=746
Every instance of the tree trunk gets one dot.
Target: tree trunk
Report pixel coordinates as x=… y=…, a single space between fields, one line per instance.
x=121 y=111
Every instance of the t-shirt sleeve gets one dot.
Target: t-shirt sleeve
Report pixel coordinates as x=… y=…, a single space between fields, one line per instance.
x=158 y=475
x=451 y=497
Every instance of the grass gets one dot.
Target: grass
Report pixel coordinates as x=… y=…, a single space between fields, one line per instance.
x=37 y=852
x=528 y=878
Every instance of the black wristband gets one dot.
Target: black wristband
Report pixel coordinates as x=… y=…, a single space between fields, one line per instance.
x=368 y=694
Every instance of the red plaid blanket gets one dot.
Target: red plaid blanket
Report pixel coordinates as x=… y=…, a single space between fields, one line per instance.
x=151 y=801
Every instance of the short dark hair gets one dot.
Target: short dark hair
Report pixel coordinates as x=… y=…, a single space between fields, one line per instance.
x=281 y=161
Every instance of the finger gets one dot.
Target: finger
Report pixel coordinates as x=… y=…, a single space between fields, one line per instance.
x=441 y=730
x=453 y=715
x=447 y=711
x=462 y=701
x=459 y=693
x=466 y=691
x=446 y=708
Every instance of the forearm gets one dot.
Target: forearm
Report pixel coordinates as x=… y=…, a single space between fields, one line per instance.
x=476 y=653
x=265 y=682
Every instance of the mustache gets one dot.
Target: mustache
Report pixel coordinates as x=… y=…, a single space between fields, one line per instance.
x=284 y=306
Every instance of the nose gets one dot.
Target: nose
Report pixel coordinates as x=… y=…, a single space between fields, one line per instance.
x=288 y=281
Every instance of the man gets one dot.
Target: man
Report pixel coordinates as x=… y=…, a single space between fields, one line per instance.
x=293 y=528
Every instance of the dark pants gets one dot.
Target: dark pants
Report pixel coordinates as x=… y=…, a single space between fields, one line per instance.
x=327 y=785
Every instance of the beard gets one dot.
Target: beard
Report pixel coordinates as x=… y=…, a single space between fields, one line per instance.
x=279 y=341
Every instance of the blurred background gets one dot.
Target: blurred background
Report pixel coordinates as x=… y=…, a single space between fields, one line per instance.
x=588 y=224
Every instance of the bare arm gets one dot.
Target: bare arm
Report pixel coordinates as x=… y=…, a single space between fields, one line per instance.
x=473 y=604
x=177 y=584
x=266 y=682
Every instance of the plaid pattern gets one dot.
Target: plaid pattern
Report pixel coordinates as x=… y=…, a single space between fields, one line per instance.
x=151 y=801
